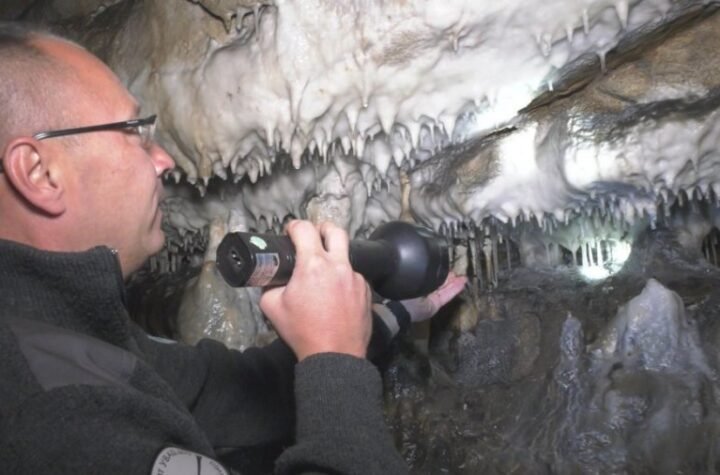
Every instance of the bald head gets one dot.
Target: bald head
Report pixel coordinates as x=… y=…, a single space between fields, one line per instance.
x=75 y=191
x=31 y=82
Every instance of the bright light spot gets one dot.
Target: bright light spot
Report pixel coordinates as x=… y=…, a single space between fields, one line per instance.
x=518 y=154
x=617 y=252
x=589 y=163
x=595 y=272
x=621 y=252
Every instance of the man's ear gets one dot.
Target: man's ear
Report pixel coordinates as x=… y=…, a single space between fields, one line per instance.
x=29 y=173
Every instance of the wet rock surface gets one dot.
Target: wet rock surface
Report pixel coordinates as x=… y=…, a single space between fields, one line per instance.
x=560 y=375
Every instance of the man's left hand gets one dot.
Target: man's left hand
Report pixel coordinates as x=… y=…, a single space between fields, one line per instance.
x=423 y=308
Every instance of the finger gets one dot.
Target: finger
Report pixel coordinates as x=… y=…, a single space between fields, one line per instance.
x=450 y=276
x=452 y=286
x=336 y=240
x=305 y=238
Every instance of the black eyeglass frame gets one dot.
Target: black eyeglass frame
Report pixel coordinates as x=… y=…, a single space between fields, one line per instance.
x=126 y=124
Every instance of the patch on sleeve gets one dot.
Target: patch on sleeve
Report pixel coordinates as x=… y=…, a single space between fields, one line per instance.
x=175 y=461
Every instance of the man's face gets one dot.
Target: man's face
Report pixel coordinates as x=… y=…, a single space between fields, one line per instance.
x=113 y=185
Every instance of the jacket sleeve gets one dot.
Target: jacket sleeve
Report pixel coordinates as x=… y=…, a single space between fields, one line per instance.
x=330 y=403
x=340 y=422
x=246 y=398
x=94 y=407
x=240 y=399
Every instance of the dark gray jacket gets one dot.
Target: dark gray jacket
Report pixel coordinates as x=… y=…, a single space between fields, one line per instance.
x=84 y=390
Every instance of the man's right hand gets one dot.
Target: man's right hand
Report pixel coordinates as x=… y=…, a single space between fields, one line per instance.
x=325 y=307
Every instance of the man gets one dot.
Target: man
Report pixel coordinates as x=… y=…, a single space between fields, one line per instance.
x=86 y=391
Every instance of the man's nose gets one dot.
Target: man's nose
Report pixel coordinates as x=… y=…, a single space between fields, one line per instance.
x=162 y=160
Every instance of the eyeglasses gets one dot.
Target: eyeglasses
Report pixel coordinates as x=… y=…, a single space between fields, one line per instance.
x=145 y=128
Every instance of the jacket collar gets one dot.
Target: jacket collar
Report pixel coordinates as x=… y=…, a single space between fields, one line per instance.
x=79 y=291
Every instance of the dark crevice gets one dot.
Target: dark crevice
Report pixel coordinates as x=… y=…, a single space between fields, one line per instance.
x=661 y=110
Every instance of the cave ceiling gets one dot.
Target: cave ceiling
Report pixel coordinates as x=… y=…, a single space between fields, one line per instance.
x=459 y=115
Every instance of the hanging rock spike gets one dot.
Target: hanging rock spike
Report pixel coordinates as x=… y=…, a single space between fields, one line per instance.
x=386 y=116
x=569 y=32
x=621 y=8
x=346 y=145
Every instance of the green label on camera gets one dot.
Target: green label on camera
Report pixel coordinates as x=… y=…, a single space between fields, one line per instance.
x=258 y=242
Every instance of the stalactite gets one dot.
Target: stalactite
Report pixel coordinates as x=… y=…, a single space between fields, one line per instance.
x=452 y=251
x=477 y=266
x=507 y=254
x=487 y=249
x=496 y=267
